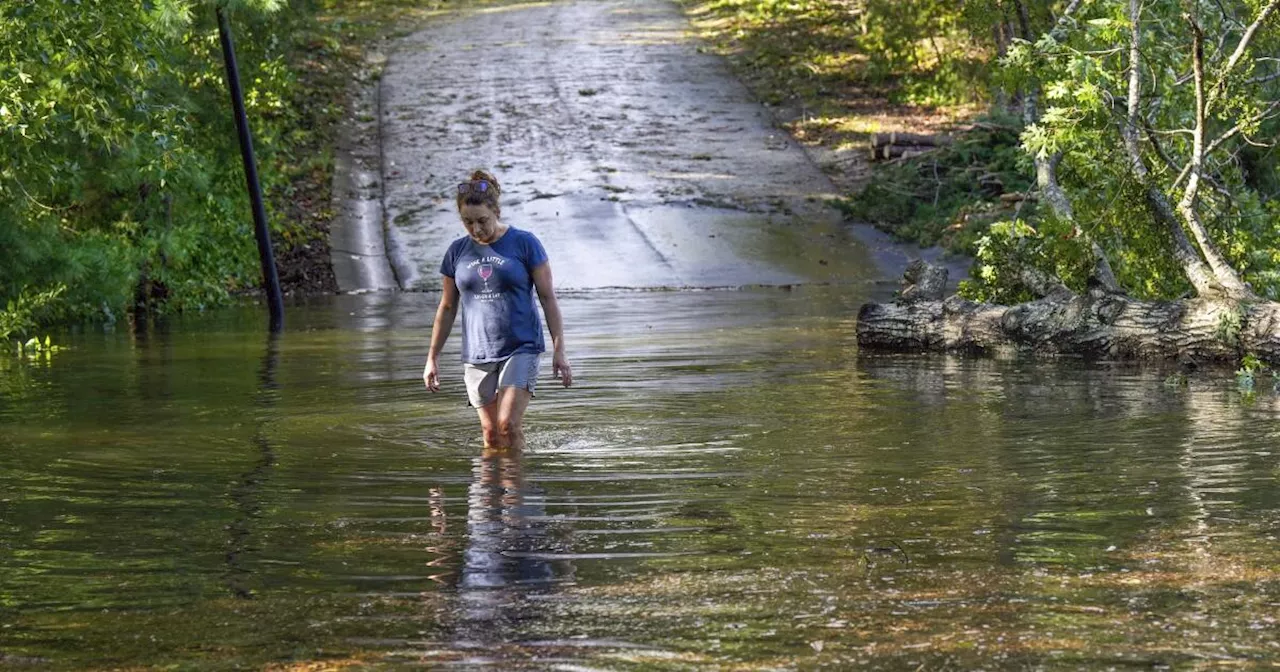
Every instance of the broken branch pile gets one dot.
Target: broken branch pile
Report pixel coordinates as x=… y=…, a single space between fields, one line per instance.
x=896 y=144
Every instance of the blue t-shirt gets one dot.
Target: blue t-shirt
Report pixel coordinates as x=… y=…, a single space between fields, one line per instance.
x=496 y=284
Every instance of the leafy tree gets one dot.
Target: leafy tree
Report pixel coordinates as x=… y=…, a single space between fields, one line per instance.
x=1151 y=133
x=119 y=174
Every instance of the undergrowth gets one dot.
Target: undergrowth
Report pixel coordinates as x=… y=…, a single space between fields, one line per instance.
x=121 y=186
x=948 y=196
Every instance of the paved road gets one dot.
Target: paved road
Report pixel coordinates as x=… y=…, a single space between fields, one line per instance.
x=640 y=161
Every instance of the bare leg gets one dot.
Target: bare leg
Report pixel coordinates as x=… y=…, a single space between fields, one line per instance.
x=489 y=424
x=512 y=403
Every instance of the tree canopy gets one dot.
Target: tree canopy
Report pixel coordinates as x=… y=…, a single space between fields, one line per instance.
x=118 y=165
x=1151 y=132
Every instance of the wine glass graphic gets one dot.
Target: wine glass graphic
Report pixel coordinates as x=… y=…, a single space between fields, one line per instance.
x=486 y=272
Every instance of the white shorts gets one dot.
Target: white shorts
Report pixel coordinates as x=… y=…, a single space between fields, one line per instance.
x=484 y=380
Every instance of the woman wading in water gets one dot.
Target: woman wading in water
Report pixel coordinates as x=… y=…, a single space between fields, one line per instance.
x=492 y=272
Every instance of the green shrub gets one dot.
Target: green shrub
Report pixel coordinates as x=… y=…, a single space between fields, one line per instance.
x=120 y=174
x=950 y=195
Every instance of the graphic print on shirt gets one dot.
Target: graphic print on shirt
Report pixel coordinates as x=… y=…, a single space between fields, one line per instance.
x=496 y=295
x=484 y=267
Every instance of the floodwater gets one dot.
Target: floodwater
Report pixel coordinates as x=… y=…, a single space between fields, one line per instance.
x=732 y=485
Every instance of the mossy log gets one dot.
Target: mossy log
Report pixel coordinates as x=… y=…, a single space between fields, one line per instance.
x=1097 y=324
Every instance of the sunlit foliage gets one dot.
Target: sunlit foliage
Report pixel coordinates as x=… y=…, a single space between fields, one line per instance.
x=119 y=172
x=1082 y=80
x=1073 y=70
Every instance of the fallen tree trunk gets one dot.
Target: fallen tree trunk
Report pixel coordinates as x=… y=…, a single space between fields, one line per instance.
x=1097 y=324
x=897 y=144
x=885 y=152
x=909 y=139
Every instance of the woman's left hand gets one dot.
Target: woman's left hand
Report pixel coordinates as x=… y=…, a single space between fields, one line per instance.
x=560 y=368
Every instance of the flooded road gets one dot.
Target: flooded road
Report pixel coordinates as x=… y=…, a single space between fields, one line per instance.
x=637 y=158
x=732 y=486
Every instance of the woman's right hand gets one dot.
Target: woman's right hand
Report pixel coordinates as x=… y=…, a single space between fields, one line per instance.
x=431 y=376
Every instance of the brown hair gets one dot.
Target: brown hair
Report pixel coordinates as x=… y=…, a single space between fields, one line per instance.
x=487 y=197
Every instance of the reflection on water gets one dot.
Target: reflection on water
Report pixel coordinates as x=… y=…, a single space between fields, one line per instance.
x=504 y=540
x=245 y=492
x=732 y=485
x=508 y=547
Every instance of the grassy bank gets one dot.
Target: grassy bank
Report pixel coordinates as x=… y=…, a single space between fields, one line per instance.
x=838 y=72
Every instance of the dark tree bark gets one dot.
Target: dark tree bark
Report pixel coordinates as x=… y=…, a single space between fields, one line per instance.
x=924 y=281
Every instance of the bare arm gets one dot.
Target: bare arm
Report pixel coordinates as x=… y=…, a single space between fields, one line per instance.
x=547 y=295
x=445 y=315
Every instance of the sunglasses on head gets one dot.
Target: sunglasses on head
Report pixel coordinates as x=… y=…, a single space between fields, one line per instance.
x=478 y=186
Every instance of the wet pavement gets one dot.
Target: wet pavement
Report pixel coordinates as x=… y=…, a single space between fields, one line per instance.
x=638 y=159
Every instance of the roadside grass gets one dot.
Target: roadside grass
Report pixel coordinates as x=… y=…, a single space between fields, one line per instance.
x=814 y=60
x=832 y=86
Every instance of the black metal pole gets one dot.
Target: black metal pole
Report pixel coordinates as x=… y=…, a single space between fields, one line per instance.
x=270 y=279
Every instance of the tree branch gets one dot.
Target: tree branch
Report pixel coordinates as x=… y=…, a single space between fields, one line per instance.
x=1047 y=178
x=1248 y=36
x=1263 y=79
x=1227 y=18
x=1240 y=49
x=1227 y=135
x=1052 y=193
x=1225 y=274
x=1218 y=50
x=1197 y=136
x=1173 y=165
x=1155 y=144
x=1199 y=273
x=1060 y=27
